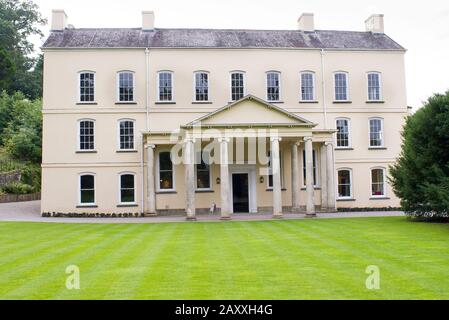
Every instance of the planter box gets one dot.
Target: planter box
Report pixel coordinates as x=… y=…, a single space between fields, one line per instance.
x=19 y=197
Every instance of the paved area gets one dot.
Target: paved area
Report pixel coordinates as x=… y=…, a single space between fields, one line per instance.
x=30 y=211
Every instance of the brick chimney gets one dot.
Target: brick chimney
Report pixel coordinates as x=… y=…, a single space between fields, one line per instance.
x=305 y=22
x=375 y=23
x=58 y=20
x=147 y=20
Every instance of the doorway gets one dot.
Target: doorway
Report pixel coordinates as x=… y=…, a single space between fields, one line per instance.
x=240 y=192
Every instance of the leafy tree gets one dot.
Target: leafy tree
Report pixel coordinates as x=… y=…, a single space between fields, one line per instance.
x=421 y=175
x=19 y=19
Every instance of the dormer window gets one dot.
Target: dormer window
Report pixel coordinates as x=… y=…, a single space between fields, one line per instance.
x=86 y=87
x=125 y=86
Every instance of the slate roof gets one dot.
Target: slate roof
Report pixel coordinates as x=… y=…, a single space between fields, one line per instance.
x=218 y=38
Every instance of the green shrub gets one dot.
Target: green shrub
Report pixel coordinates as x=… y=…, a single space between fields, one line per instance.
x=31 y=175
x=18 y=188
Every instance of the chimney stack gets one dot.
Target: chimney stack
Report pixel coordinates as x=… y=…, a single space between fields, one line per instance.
x=58 y=20
x=375 y=23
x=305 y=22
x=147 y=20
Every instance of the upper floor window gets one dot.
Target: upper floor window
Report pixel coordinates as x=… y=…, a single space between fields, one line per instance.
x=86 y=86
x=314 y=167
x=341 y=86
x=273 y=86
x=237 y=85
x=343 y=133
x=203 y=175
x=376 y=132
x=344 y=184
x=86 y=135
x=127 y=188
x=374 y=86
x=165 y=86
x=165 y=171
x=201 y=86
x=378 y=182
x=125 y=86
x=87 y=189
x=307 y=86
x=126 y=134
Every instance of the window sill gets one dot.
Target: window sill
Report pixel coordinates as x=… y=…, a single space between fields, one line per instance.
x=344 y=148
x=87 y=206
x=126 y=102
x=314 y=188
x=377 y=148
x=204 y=191
x=166 y=192
x=345 y=199
x=126 y=205
x=87 y=103
x=308 y=101
x=271 y=189
x=380 y=198
x=127 y=151
x=165 y=102
x=342 y=101
x=275 y=101
x=86 y=151
x=375 y=101
x=202 y=102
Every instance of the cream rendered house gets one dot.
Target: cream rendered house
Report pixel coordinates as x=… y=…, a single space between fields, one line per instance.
x=163 y=121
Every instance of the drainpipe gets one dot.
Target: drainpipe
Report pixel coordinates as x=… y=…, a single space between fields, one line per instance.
x=323 y=86
x=147 y=121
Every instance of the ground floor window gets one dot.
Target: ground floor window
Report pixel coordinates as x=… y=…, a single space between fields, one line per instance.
x=378 y=182
x=344 y=184
x=127 y=188
x=304 y=174
x=87 y=189
x=270 y=170
x=203 y=176
x=165 y=171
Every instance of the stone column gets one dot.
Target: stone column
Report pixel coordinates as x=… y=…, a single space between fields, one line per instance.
x=189 y=167
x=276 y=172
x=331 y=187
x=224 y=179
x=295 y=177
x=151 y=194
x=310 y=207
x=323 y=172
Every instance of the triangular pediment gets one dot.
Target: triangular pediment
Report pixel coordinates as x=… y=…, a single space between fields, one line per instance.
x=251 y=110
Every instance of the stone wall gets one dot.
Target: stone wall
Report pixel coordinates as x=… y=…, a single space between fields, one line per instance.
x=9 y=177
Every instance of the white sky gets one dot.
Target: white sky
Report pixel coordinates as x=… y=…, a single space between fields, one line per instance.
x=422 y=27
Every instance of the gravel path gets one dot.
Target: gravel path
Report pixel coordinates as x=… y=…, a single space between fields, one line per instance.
x=30 y=211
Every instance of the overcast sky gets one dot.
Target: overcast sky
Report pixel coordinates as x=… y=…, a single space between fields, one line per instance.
x=422 y=27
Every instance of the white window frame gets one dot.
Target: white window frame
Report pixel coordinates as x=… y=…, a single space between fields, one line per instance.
x=382 y=135
x=351 y=184
x=380 y=86
x=230 y=83
x=134 y=134
x=120 y=188
x=280 y=85
x=313 y=83
x=349 y=134
x=78 y=135
x=347 y=86
x=78 y=93
x=303 y=166
x=194 y=86
x=281 y=165
x=210 y=173
x=158 y=178
x=384 y=181
x=172 y=87
x=86 y=204
x=118 y=86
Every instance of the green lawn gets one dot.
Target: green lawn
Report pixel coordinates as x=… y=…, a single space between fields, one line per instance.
x=302 y=259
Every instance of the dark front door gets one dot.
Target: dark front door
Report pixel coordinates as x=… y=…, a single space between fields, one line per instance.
x=240 y=198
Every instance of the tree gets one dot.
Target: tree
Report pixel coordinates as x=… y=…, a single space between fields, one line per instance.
x=19 y=19
x=420 y=177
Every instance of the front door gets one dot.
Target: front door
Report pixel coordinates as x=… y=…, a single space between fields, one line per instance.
x=240 y=194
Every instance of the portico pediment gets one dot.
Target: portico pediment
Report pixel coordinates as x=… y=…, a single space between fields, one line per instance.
x=251 y=111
